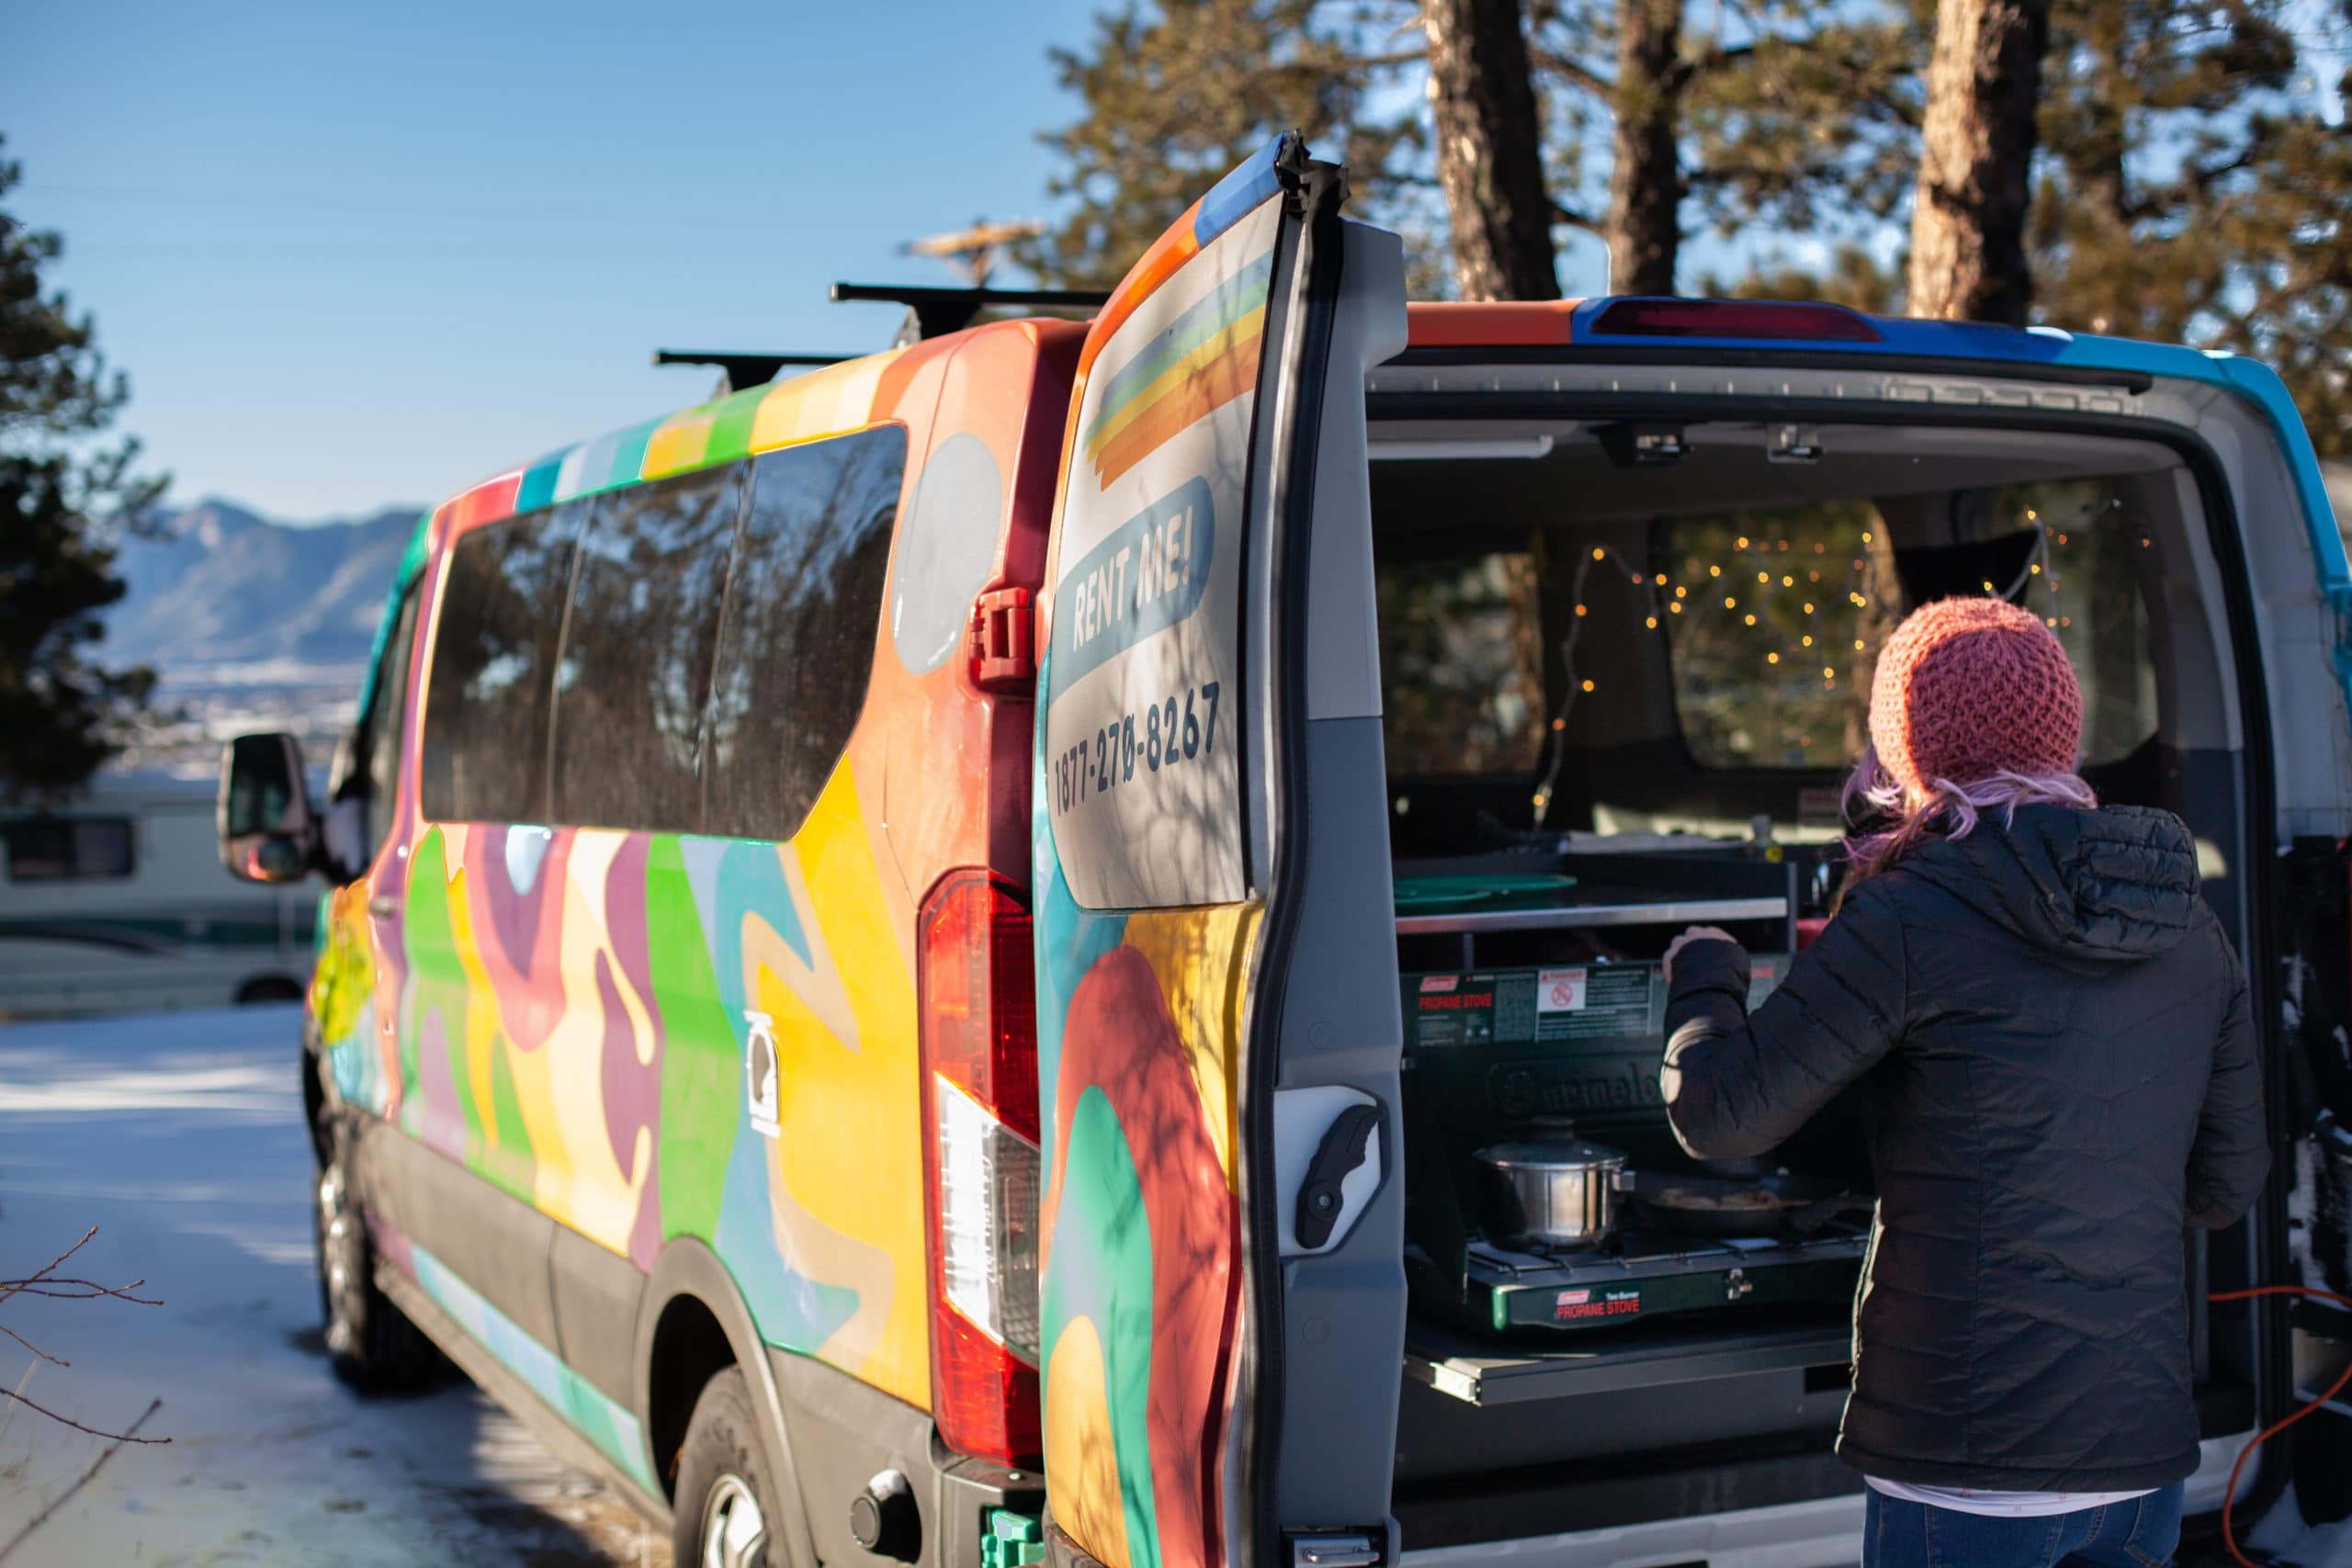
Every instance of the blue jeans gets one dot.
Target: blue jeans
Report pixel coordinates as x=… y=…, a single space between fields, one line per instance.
x=2141 y=1533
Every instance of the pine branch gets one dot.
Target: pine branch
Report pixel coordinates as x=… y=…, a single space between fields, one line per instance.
x=1576 y=71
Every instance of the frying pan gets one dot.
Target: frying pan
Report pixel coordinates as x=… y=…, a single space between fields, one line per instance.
x=1762 y=1204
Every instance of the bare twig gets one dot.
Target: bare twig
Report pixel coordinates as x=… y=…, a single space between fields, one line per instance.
x=10 y=1287
x=52 y=1360
x=68 y=1420
x=87 y=1476
x=88 y=1289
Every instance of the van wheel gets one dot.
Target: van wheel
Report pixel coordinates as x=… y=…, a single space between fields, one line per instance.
x=371 y=1343
x=723 y=1517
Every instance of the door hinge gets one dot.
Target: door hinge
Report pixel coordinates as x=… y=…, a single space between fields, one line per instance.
x=1003 y=646
x=1340 y=1549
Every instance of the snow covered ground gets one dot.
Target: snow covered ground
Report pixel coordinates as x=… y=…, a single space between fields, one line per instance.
x=179 y=1136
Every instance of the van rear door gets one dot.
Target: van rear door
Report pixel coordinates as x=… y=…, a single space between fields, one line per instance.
x=1223 y=1297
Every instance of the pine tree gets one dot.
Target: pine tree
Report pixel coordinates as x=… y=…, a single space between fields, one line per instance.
x=1977 y=144
x=1177 y=92
x=66 y=491
x=1489 y=150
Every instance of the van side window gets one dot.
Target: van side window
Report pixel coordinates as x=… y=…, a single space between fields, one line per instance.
x=804 y=609
x=637 y=649
x=68 y=849
x=381 y=734
x=1782 y=612
x=493 y=657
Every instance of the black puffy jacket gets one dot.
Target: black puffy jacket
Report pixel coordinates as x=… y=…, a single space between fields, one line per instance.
x=2058 y=1073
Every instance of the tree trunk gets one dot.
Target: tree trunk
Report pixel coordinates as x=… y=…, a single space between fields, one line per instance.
x=1489 y=150
x=1646 y=180
x=1968 y=259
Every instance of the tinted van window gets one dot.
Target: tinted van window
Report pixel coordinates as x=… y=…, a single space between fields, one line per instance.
x=68 y=849
x=638 y=650
x=493 y=655
x=804 y=609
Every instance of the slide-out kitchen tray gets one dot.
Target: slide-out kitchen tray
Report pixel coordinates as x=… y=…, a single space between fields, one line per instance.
x=1675 y=912
x=1485 y=1371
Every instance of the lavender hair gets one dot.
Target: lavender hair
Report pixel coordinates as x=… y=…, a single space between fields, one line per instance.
x=1945 y=810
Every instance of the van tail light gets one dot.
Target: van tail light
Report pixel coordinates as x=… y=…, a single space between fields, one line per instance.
x=977 y=993
x=1777 y=320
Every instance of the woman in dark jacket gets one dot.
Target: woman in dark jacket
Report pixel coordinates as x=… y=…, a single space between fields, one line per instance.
x=2058 y=1073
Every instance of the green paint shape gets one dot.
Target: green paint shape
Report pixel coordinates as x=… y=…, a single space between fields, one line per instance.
x=700 y=1056
x=511 y=1164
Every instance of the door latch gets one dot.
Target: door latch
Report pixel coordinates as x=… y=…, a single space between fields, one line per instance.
x=1003 y=642
x=1351 y=1549
x=1320 y=1199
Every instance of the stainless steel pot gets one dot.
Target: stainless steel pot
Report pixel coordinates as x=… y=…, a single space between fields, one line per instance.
x=1554 y=1192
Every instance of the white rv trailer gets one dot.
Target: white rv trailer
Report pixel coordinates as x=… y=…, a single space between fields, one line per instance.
x=118 y=902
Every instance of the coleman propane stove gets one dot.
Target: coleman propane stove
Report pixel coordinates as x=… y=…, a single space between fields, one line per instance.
x=1535 y=1021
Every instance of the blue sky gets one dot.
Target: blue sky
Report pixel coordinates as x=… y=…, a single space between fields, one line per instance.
x=353 y=255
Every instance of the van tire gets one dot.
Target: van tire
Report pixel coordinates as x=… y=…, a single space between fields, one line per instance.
x=371 y=1344
x=720 y=1466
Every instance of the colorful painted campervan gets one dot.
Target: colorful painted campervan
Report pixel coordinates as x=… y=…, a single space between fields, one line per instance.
x=927 y=962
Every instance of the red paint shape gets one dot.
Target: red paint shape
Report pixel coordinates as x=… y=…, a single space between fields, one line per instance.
x=1120 y=1038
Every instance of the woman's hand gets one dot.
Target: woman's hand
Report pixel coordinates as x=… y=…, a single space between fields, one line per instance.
x=1696 y=933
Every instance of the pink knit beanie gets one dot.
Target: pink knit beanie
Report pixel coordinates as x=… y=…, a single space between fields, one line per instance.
x=1967 y=688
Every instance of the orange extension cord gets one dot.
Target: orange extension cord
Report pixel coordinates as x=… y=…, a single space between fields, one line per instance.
x=2229 y=1498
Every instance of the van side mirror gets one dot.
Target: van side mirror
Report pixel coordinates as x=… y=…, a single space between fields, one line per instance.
x=268 y=832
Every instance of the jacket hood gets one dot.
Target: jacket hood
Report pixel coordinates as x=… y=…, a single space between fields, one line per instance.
x=2120 y=883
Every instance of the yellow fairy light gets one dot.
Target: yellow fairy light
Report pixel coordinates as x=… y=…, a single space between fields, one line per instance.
x=1866 y=538
x=1743 y=541
x=1588 y=685
x=1579 y=609
x=1714 y=571
x=1682 y=592
x=1787 y=582
x=1751 y=620
x=1597 y=553
x=1827 y=673
x=1858 y=645
x=1808 y=642
x=1652 y=622
x=2053 y=620
x=1730 y=602
x=1988 y=585
x=1771 y=658
x=1676 y=608
x=2035 y=568
x=1808 y=609
x=2031 y=515
x=1559 y=723
x=1763 y=577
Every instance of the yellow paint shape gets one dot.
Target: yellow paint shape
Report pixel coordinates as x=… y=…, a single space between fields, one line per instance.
x=1081 y=1460
x=831 y=402
x=851 y=1160
x=1202 y=959
x=679 y=442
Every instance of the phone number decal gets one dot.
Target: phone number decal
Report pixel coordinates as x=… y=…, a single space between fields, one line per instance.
x=1167 y=734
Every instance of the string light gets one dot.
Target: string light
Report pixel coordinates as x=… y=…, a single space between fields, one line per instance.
x=1597 y=553
x=1743 y=541
x=1808 y=609
x=1713 y=571
x=1827 y=673
x=1866 y=538
x=1764 y=577
x=1787 y=582
x=1858 y=645
x=1730 y=602
x=1580 y=608
x=1808 y=642
x=1682 y=593
x=1812 y=577
x=1638 y=578
x=1652 y=622
x=1771 y=658
x=1588 y=685
x=1751 y=620
x=1675 y=606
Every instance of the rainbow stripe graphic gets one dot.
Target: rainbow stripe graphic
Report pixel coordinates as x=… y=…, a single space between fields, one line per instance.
x=1201 y=361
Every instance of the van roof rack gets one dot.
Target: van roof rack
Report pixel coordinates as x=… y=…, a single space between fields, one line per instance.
x=745 y=369
x=934 y=312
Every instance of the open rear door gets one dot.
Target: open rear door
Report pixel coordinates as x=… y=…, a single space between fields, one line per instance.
x=1222 y=1297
